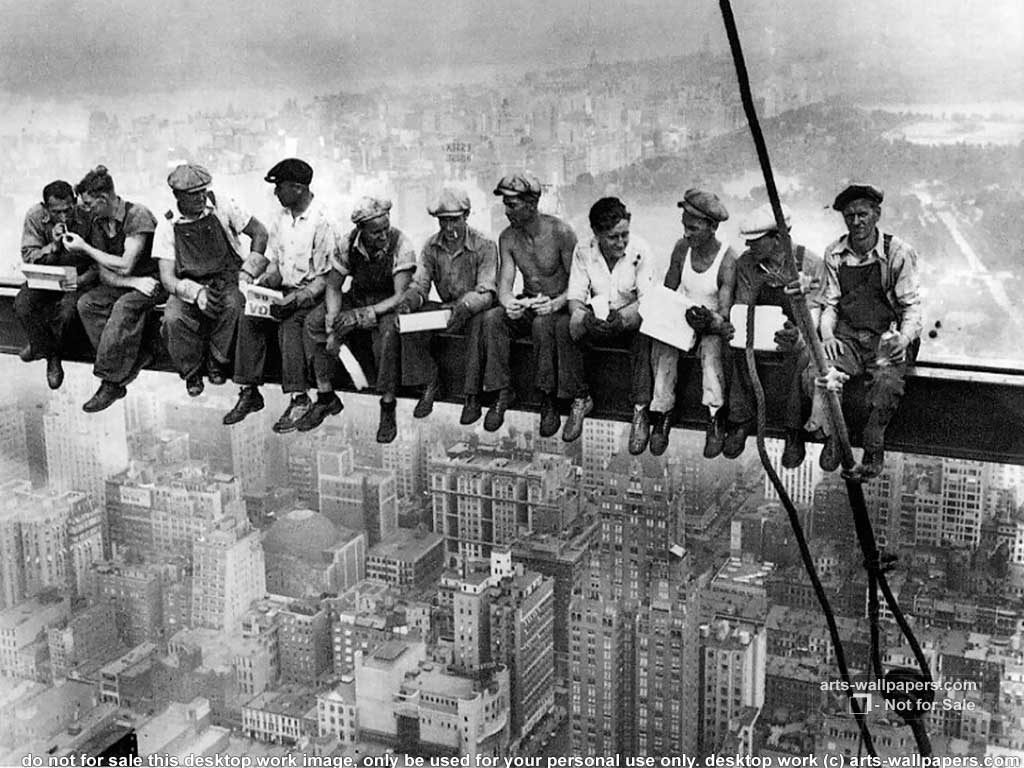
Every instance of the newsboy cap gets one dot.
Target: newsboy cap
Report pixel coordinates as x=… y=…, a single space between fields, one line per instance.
x=369 y=208
x=292 y=169
x=703 y=204
x=518 y=185
x=857 y=192
x=450 y=202
x=761 y=221
x=188 y=177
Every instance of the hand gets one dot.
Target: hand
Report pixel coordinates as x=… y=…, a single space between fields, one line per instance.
x=787 y=339
x=698 y=318
x=727 y=330
x=203 y=299
x=459 y=317
x=515 y=309
x=145 y=285
x=832 y=381
x=271 y=278
x=833 y=348
x=544 y=305
x=409 y=302
x=579 y=322
x=366 y=317
x=73 y=242
x=303 y=299
x=244 y=278
x=346 y=322
x=615 y=322
x=59 y=230
x=898 y=354
x=285 y=309
x=333 y=343
x=804 y=284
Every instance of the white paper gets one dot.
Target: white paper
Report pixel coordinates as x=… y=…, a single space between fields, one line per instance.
x=355 y=370
x=431 y=320
x=50 y=278
x=768 y=320
x=258 y=300
x=664 y=317
x=600 y=306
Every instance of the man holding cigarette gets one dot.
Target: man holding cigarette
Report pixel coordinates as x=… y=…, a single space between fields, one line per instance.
x=47 y=315
x=462 y=264
x=199 y=251
x=541 y=246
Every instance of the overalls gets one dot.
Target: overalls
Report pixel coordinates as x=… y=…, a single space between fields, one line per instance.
x=115 y=318
x=202 y=253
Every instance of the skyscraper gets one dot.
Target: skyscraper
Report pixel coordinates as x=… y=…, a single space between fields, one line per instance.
x=732 y=677
x=228 y=574
x=358 y=498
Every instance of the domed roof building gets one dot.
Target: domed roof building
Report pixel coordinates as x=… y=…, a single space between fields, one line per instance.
x=306 y=554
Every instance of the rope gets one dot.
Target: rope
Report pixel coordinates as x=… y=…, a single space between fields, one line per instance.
x=855 y=492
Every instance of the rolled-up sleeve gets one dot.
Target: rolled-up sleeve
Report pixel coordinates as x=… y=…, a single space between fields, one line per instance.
x=907 y=290
x=325 y=244
x=405 y=255
x=273 y=253
x=579 y=277
x=163 y=241
x=831 y=291
x=424 y=274
x=486 y=288
x=36 y=245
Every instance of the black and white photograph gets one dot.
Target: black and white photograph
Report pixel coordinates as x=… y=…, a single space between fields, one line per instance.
x=566 y=384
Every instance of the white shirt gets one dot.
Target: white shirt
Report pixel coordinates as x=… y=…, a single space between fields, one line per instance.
x=302 y=246
x=626 y=282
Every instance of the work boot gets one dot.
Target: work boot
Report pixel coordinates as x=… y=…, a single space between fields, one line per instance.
x=297 y=408
x=714 y=439
x=327 y=404
x=194 y=385
x=471 y=410
x=426 y=402
x=871 y=464
x=496 y=413
x=735 y=439
x=661 y=426
x=550 y=421
x=639 y=430
x=215 y=373
x=28 y=354
x=795 y=451
x=387 y=430
x=105 y=396
x=249 y=401
x=581 y=406
x=54 y=372
x=831 y=454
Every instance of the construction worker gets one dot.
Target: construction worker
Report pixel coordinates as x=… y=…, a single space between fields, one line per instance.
x=462 y=264
x=761 y=279
x=540 y=246
x=301 y=242
x=199 y=251
x=380 y=259
x=702 y=269
x=45 y=315
x=612 y=270
x=115 y=312
x=871 y=322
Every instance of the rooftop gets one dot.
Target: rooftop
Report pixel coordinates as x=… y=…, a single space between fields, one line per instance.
x=406 y=545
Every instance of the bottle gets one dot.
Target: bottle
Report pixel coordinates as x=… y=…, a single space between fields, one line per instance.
x=886 y=345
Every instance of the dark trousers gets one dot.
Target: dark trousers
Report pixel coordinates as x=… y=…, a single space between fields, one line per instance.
x=296 y=350
x=743 y=405
x=187 y=332
x=641 y=382
x=115 y=321
x=378 y=347
x=47 y=317
x=885 y=383
x=553 y=351
x=480 y=354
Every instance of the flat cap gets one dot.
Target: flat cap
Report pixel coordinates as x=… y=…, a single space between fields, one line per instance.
x=450 y=202
x=703 y=204
x=857 y=192
x=188 y=177
x=292 y=169
x=369 y=208
x=761 y=221
x=518 y=185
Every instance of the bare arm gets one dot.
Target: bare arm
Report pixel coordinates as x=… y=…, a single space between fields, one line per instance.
x=402 y=280
x=123 y=265
x=506 y=272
